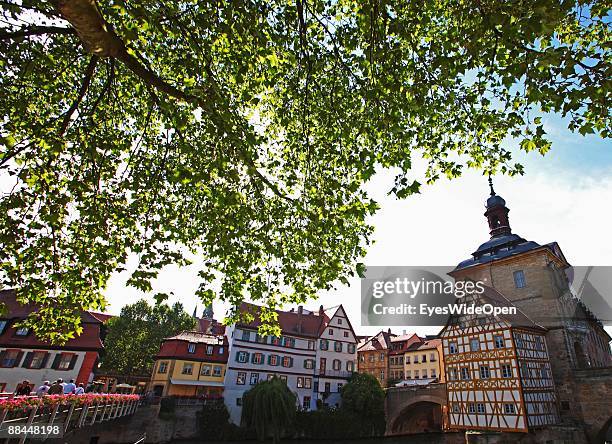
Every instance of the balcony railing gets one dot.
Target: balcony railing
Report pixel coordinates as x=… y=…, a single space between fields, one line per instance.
x=68 y=412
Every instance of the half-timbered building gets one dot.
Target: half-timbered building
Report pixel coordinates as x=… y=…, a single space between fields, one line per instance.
x=497 y=369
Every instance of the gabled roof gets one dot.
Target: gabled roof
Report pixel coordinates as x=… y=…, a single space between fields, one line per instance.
x=306 y=323
x=198 y=338
x=425 y=345
x=380 y=341
x=207 y=325
x=88 y=339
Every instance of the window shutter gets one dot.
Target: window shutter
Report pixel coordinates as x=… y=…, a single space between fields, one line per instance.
x=290 y=362
x=73 y=362
x=269 y=359
x=56 y=361
x=18 y=359
x=247 y=356
x=2 y=355
x=237 y=356
x=28 y=359
x=43 y=364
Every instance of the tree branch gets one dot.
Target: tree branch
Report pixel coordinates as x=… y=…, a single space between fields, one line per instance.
x=35 y=30
x=84 y=86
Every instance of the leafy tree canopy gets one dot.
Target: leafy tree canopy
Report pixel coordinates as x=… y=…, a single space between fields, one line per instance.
x=364 y=396
x=134 y=337
x=244 y=131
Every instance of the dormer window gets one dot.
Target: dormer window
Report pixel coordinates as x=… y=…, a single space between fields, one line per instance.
x=191 y=347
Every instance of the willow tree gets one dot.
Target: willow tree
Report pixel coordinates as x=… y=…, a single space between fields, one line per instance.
x=269 y=408
x=243 y=132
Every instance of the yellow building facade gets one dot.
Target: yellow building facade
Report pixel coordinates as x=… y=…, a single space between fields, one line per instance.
x=424 y=361
x=190 y=364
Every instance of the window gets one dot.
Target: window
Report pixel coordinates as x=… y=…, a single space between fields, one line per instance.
x=23 y=331
x=37 y=359
x=471 y=407
x=509 y=408
x=238 y=401
x=338 y=346
x=65 y=361
x=330 y=331
x=275 y=340
x=499 y=341
x=361 y=357
x=382 y=375
x=3 y=325
x=485 y=373
x=416 y=359
x=339 y=387
x=324 y=344
x=539 y=343
x=327 y=387
x=339 y=321
x=407 y=359
x=306 y=403
x=409 y=374
x=311 y=345
x=258 y=358
x=525 y=370
x=187 y=368
x=205 y=370
x=283 y=378
x=191 y=347
x=424 y=358
x=350 y=366
x=309 y=363
x=300 y=382
x=346 y=334
x=433 y=373
x=307 y=383
x=465 y=373
x=519 y=279
x=371 y=357
x=210 y=349
x=288 y=342
x=217 y=370
x=287 y=361
x=432 y=357
x=240 y=378
x=474 y=345
x=401 y=359
x=163 y=367
x=254 y=378
x=261 y=339
x=246 y=335
x=416 y=374
x=480 y=407
x=452 y=348
x=242 y=356
x=336 y=364
x=455 y=408
x=382 y=357
x=506 y=371
x=273 y=360
x=270 y=376
x=220 y=350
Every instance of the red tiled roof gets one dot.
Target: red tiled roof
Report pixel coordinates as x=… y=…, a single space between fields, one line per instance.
x=102 y=317
x=380 y=341
x=289 y=321
x=176 y=347
x=425 y=345
x=89 y=338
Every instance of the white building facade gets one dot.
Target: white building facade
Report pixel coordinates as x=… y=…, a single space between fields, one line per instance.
x=315 y=355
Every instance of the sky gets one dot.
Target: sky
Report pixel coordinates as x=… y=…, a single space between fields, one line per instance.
x=563 y=197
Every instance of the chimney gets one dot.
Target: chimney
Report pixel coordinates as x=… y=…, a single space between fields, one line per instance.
x=404 y=332
x=320 y=310
x=389 y=331
x=300 y=312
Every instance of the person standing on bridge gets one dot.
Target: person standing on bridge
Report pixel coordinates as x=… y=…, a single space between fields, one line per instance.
x=69 y=388
x=24 y=389
x=43 y=389
x=56 y=389
x=79 y=390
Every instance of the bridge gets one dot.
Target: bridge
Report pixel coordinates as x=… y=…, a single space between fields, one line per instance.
x=592 y=391
x=415 y=409
x=55 y=416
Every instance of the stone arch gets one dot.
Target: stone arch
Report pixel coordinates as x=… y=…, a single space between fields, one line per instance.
x=421 y=416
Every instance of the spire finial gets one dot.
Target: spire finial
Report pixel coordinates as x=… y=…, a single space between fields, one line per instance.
x=491 y=185
x=195 y=312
